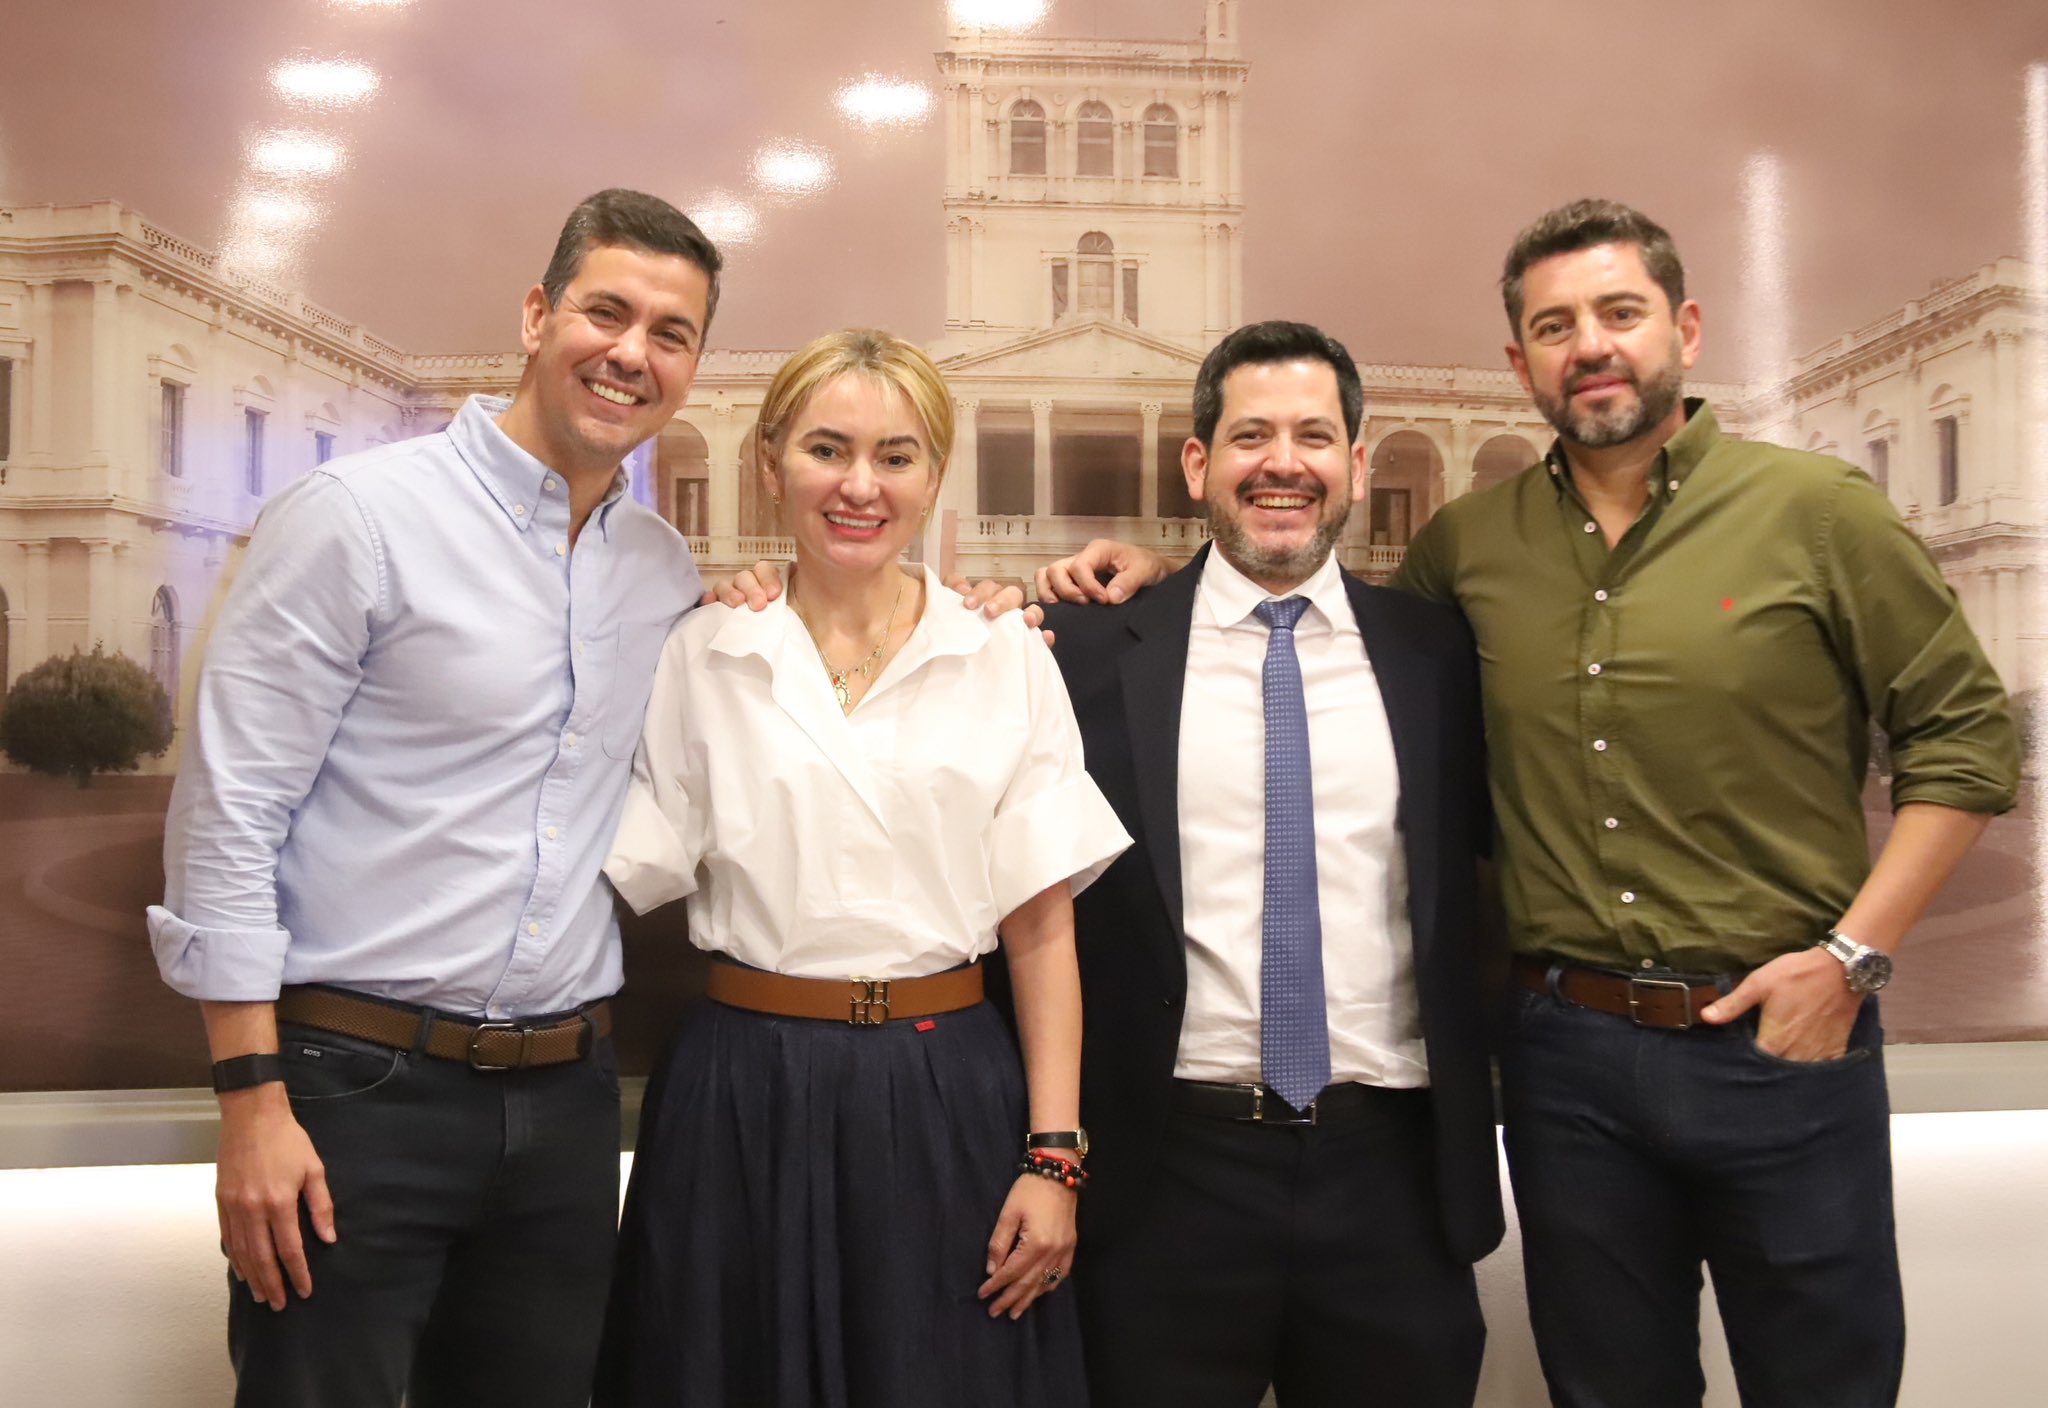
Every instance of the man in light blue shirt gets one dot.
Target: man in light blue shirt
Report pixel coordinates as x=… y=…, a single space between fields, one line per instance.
x=412 y=738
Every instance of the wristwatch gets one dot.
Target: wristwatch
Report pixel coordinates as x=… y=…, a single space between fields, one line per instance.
x=243 y=1072
x=1866 y=968
x=1075 y=1139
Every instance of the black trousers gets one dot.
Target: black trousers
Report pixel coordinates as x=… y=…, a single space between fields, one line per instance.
x=1639 y=1154
x=1307 y=1258
x=475 y=1215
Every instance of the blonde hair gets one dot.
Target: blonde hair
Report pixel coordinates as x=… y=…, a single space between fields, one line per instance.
x=883 y=356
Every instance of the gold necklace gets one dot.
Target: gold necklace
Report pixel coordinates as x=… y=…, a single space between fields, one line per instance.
x=841 y=690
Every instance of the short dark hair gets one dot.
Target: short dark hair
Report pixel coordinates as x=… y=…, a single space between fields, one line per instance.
x=1260 y=344
x=1582 y=225
x=637 y=221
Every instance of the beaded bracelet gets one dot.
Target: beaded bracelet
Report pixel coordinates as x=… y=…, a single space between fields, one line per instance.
x=1057 y=1169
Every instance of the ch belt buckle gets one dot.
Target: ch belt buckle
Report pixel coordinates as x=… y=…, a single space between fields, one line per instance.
x=476 y=1037
x=1259 y=1115
x=1684 y=990
x=868 y=1002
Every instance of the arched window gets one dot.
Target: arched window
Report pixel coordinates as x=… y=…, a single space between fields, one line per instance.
x=1096 y=131
x=1027 y=139
x=1095 y=293
x=163 y=647
x=1162 y=141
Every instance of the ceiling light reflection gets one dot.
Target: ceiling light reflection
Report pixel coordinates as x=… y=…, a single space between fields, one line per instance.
x=725 y=218
x=324 y=82
x=282 y=152
x=876 y=100
x=262 y=210
x=790 y=168
x=997 y=14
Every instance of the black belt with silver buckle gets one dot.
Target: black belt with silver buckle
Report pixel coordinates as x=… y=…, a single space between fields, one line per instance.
x=1255 y=1104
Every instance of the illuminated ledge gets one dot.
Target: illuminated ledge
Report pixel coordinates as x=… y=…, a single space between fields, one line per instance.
x=74 y=1129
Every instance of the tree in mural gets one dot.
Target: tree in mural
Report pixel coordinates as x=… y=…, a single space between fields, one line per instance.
x=76 y=715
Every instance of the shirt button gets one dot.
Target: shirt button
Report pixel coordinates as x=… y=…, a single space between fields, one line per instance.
x=547 y=486
x=1649 y=963
x=519 y=510
x=1672 y=486
x=552 y=833
x=1592 y=527
x=1600 y=595
x=1592 y=669
x=561 y=549
x=1611 y=824
x=1599 y=745
x=570 y=739
x=1628 y=896
x=533 y=929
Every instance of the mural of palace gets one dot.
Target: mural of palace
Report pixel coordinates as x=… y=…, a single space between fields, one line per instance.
x=151 y=398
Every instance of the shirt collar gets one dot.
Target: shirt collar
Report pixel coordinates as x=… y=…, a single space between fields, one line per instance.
x=946 y=628
x=508 y=473
x=1680 y=456
x=1229 y=597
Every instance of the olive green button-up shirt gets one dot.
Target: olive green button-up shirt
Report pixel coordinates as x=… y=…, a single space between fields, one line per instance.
x=1677 y=728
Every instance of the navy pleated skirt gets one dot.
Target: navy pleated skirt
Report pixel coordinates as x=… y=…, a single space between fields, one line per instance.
x=808 y=1221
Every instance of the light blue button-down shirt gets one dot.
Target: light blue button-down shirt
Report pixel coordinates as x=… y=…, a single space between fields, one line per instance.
x=413 y=735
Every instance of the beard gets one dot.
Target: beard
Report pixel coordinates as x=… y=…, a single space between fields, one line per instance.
x=1615 y=425
x=1268 y=563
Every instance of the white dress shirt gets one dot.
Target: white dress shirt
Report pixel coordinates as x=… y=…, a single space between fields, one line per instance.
x=883 y=843
x=1361 y=871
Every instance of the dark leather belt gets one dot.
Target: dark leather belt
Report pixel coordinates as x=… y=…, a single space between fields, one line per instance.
x=861 y=1002
x=1668 y=1000
x=1254 y=1104
x=485 y=1046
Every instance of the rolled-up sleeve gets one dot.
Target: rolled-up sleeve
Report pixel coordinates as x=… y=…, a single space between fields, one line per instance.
x=661 y=837
x=283 y=661
x=1923 y=673
x=1052 y=823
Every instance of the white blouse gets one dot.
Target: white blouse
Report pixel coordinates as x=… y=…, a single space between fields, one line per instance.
x=883 y=843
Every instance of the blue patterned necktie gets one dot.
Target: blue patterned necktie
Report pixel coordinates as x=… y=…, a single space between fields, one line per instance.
x=1294 y=1033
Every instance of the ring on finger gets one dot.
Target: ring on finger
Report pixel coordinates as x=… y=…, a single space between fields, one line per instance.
x=1051 y=1277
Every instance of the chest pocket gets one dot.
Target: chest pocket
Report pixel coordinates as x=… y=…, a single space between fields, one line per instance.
x=639 y=650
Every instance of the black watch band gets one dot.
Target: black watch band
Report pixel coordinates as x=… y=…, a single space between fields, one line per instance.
x=243 y=1072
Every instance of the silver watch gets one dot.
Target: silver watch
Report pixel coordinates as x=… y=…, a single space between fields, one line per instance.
x=1867 y=969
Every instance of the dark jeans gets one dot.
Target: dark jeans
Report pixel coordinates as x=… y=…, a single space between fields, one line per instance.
x=1308 y=1258
x=1637 y=1154
x=475 y=1215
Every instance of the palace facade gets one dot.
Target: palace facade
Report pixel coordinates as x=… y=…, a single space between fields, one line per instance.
x=151 y=397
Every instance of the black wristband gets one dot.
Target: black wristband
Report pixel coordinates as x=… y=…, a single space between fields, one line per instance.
x=243 y=1072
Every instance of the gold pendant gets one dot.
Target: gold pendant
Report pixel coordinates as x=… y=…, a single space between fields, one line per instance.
x=840 y=691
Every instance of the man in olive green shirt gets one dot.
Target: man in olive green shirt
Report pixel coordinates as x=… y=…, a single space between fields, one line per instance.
x=1683 y=641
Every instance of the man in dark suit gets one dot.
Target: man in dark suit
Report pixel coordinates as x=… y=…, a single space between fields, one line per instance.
x=1284 y=1073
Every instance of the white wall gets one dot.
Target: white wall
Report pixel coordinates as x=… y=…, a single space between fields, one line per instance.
x=114 y=1288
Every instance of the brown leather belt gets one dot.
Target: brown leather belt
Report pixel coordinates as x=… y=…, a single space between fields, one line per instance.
x=1669 y=1000
x=861 y=1002
x=486 y=1046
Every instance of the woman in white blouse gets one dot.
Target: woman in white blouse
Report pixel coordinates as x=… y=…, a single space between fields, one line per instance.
x=859 y=788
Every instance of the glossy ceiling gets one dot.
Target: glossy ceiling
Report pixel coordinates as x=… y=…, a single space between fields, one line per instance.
x=407 y=162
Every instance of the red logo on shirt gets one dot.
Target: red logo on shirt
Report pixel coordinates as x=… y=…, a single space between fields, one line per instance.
x=1727 y=603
